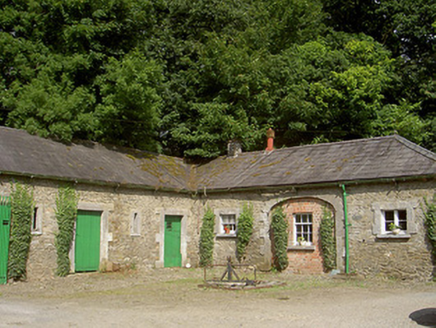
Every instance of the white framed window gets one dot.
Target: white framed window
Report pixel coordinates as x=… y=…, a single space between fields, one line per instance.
x=36 y=224
x=400 y=214
x=303 y=228
x=135 y=224
x=228 y=224
x=392 y=219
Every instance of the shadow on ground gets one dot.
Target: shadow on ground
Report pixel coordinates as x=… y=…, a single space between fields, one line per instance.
x=424 y=317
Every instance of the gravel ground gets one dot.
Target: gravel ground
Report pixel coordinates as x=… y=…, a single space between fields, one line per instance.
x=172 y=298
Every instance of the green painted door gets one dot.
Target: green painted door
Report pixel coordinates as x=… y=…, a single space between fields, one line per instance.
x=5 y=224
x=172 y=255
x=87 y=243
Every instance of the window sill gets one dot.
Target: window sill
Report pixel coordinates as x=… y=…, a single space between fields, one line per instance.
x=392 y=236
x=36 y=233
x=226 y=236
x=309 y=248
x=135 y=235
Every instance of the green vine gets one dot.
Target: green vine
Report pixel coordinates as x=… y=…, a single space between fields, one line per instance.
x=66 y=212
x=245 y=230
x=430 y=224
x=207 y=238
x=22 y=209
x=328 y=244
x=279 y=237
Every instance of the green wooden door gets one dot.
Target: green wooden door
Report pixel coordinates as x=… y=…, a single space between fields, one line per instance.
x=5 y=224
x=87 y=243
x=172 y=255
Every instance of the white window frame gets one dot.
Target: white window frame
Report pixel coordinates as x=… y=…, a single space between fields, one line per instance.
x=135 y=223
x=396 y=218
x=379 y=223
x=308 y=224
x=219 y=224
x=36 y=224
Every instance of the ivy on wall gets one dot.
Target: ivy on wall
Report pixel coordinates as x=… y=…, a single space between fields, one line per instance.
x=430 y=224
x=245 y=230
x=207 y=238
x=279 y=237
x=66 y=212
x=328 y=244
x=21 y=209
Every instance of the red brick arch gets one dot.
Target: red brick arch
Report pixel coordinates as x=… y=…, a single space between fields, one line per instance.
x=305 y=259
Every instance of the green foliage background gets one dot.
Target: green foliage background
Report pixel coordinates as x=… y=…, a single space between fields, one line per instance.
x=207 y=238
x=279 y=237
x=184 y=77
x=22 y=207
x=66 y=213
x=245 y=230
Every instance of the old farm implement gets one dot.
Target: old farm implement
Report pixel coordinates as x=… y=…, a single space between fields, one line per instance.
x=230 y=279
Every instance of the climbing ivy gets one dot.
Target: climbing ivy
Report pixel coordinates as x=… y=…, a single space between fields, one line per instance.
x=328 y=244
x=66 y=212
x=279 y=237
x=245 y=230
x=430 y=224
x=207 y=238
x=22 y=209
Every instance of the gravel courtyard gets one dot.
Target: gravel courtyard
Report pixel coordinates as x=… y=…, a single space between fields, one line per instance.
x=172 y=298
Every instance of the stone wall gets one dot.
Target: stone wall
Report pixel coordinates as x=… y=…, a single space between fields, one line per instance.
x=405 y=256
x=370 y=253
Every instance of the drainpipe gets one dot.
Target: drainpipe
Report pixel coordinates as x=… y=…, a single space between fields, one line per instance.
x=347 y=253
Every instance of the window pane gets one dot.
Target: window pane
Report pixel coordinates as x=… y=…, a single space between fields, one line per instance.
x=303 y=227
x=402 y=219
x=389 y=218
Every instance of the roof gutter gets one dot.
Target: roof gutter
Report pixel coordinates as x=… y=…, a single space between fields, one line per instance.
x=95 y=182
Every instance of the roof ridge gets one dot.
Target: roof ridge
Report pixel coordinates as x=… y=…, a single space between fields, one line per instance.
x=415 y=147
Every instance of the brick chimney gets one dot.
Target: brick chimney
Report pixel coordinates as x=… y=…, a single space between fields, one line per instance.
x=234 y=148
x=270 y=143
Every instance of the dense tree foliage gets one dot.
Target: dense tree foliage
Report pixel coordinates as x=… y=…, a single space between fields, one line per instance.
x=184 y=77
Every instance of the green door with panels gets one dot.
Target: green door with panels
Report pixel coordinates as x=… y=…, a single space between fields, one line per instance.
x=172 y=255
x=87 y=242
x=5 y=224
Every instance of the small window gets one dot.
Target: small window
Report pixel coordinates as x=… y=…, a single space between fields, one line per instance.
x=228 y=224
x=394 y=219
x=135 y=226
x=303 y=229
x=36 y=221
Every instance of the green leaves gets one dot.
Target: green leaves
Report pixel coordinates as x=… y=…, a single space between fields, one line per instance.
x=245 y=230
x=188 y=76
x=22 y=211
x=207 y=236
x=328 y=242
x=279 y=238
x=66 y=213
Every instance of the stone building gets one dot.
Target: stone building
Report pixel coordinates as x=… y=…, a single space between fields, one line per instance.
x=145 y=210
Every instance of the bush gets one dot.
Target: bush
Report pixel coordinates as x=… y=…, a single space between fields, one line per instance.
x=279 y=237
x=207 y=238
x=22 y=210
x=66 y=212
x=245 y=230
x=328 y=243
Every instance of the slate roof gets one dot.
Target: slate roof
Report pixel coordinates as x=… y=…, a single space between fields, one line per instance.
x=358 y=160
x=25 y=154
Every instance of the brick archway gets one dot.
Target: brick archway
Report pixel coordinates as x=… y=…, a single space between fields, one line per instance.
x=304 y=217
